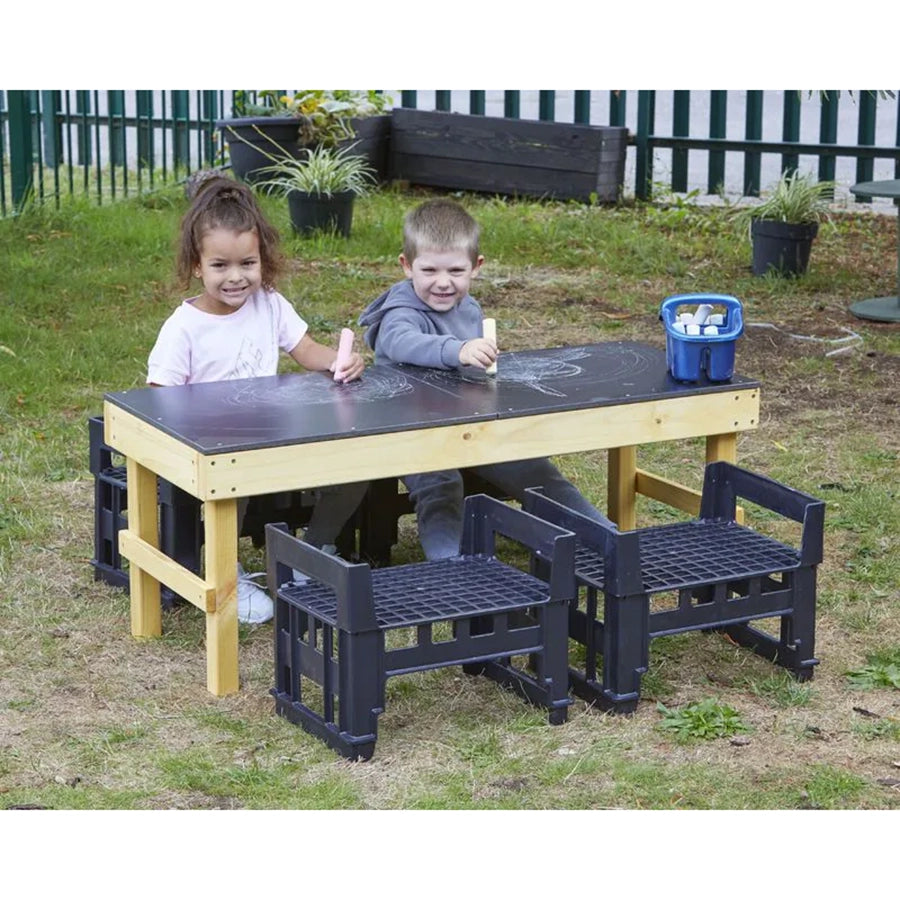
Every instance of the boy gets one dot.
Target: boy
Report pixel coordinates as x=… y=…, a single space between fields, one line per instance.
x=431 y=320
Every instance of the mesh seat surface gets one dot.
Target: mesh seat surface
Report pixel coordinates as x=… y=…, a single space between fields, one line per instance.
x=685 y=554
x=418 y=593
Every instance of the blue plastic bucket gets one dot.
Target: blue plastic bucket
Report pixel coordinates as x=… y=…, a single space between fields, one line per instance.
x=688 y=356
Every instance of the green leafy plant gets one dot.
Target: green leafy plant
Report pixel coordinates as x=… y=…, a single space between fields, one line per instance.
x=323 y=117
x=795 y=198
x=705 y=719
x=875 y=675
x=320 y=170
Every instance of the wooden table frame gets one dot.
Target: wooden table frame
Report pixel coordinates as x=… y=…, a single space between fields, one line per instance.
x=220 y=479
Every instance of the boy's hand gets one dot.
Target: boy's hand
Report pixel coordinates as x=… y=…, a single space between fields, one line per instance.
x=479 y=352
x=351 y=371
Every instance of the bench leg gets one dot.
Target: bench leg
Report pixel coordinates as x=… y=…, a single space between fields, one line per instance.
x=626 y=649
x=354 y=682
x=795 y=648
x=361 y=691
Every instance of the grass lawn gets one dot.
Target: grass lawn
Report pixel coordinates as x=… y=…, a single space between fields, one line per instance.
x=93 y=719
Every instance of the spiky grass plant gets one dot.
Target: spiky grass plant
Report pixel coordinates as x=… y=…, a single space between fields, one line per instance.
x=795 y=198
x=321 y=170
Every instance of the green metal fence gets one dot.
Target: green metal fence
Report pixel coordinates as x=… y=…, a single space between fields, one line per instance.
x=54 y=143
x=108 y=144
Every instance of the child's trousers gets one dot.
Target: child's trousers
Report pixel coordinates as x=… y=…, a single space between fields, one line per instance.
x=438 y=498
x=335 y=504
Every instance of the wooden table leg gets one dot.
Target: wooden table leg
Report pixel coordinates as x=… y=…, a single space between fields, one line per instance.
x=620 y=487
x=220 y=523
x=146 y=613
x=721 y=447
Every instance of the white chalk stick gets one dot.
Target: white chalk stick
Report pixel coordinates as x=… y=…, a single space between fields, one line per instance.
x=684 y=318
x=710 y=329
x=345 y=348
x=716 y=319
x=489 y=330
x=679 y=327
x=702 y=314
x=692 y=329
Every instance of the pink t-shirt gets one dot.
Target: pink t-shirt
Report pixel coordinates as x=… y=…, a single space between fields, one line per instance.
x=195 y=346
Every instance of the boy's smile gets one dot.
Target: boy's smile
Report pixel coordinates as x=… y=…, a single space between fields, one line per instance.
x=230 y=269
x=441 y=278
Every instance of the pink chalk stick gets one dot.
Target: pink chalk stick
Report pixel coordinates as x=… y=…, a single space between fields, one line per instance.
x=345 y=348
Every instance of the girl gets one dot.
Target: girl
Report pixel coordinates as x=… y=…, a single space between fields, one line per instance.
x=235 y=328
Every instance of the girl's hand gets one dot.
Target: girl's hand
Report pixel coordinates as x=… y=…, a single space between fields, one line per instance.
x=479 y=352
x=351 y=371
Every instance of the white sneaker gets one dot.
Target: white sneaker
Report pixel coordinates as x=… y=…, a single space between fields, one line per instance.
x=254 y=604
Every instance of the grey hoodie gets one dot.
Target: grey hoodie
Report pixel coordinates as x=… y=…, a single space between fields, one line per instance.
x=400 y=328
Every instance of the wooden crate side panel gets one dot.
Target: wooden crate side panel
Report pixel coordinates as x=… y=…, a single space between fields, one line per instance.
x=499 y=178
x=551 y=145
x=507 y=156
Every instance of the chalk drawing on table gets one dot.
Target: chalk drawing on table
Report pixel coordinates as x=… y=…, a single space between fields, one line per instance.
x=547 y=371
x=374 y=386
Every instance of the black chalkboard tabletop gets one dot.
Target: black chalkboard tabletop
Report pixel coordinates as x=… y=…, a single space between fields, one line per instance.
x=296 y=408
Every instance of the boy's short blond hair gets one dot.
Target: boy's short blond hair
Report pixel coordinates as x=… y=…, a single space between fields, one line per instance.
x=439 y=225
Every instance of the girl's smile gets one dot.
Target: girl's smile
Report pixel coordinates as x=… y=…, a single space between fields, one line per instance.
x=230 y=269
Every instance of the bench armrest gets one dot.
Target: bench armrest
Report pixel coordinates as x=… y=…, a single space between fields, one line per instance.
x=725 y=482
x=351 y=582
x=485 y=517
x=620 y=549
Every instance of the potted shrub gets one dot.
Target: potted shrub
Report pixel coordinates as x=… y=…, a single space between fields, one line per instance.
x=292 y=122
x=321 y=186
x=784 y=225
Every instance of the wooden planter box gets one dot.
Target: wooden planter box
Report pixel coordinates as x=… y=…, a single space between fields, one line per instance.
x=508 y=156
x=246 y=146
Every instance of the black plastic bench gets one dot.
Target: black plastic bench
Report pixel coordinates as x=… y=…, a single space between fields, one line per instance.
x=722 y=575
x=332 y=633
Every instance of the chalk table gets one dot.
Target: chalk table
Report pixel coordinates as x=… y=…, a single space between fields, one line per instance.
x=225 y=440
x=880 y=309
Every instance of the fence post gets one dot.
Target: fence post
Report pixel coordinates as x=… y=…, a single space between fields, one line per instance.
x=718 y=107
x=83 y=129
x=2 y=154
x=681 y=127
x=442 y=101
x=828 y=128
x=209 y=116
x=115 y=101
x=21 y=150
x=897 y=143
x=583 y=107
x=511 y=104
x=790 y=129
x=408 y=99
x=51 y=102
x=144 y=102
x=866 y=135
x=753 y=132
x=546 y=105
x=617 y=108
x=643 y=172
x=181 y=150
x=476 y=103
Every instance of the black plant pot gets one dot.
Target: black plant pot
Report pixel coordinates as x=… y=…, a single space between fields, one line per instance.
x=250 y=138
x=781 y=246
x=318 y=212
